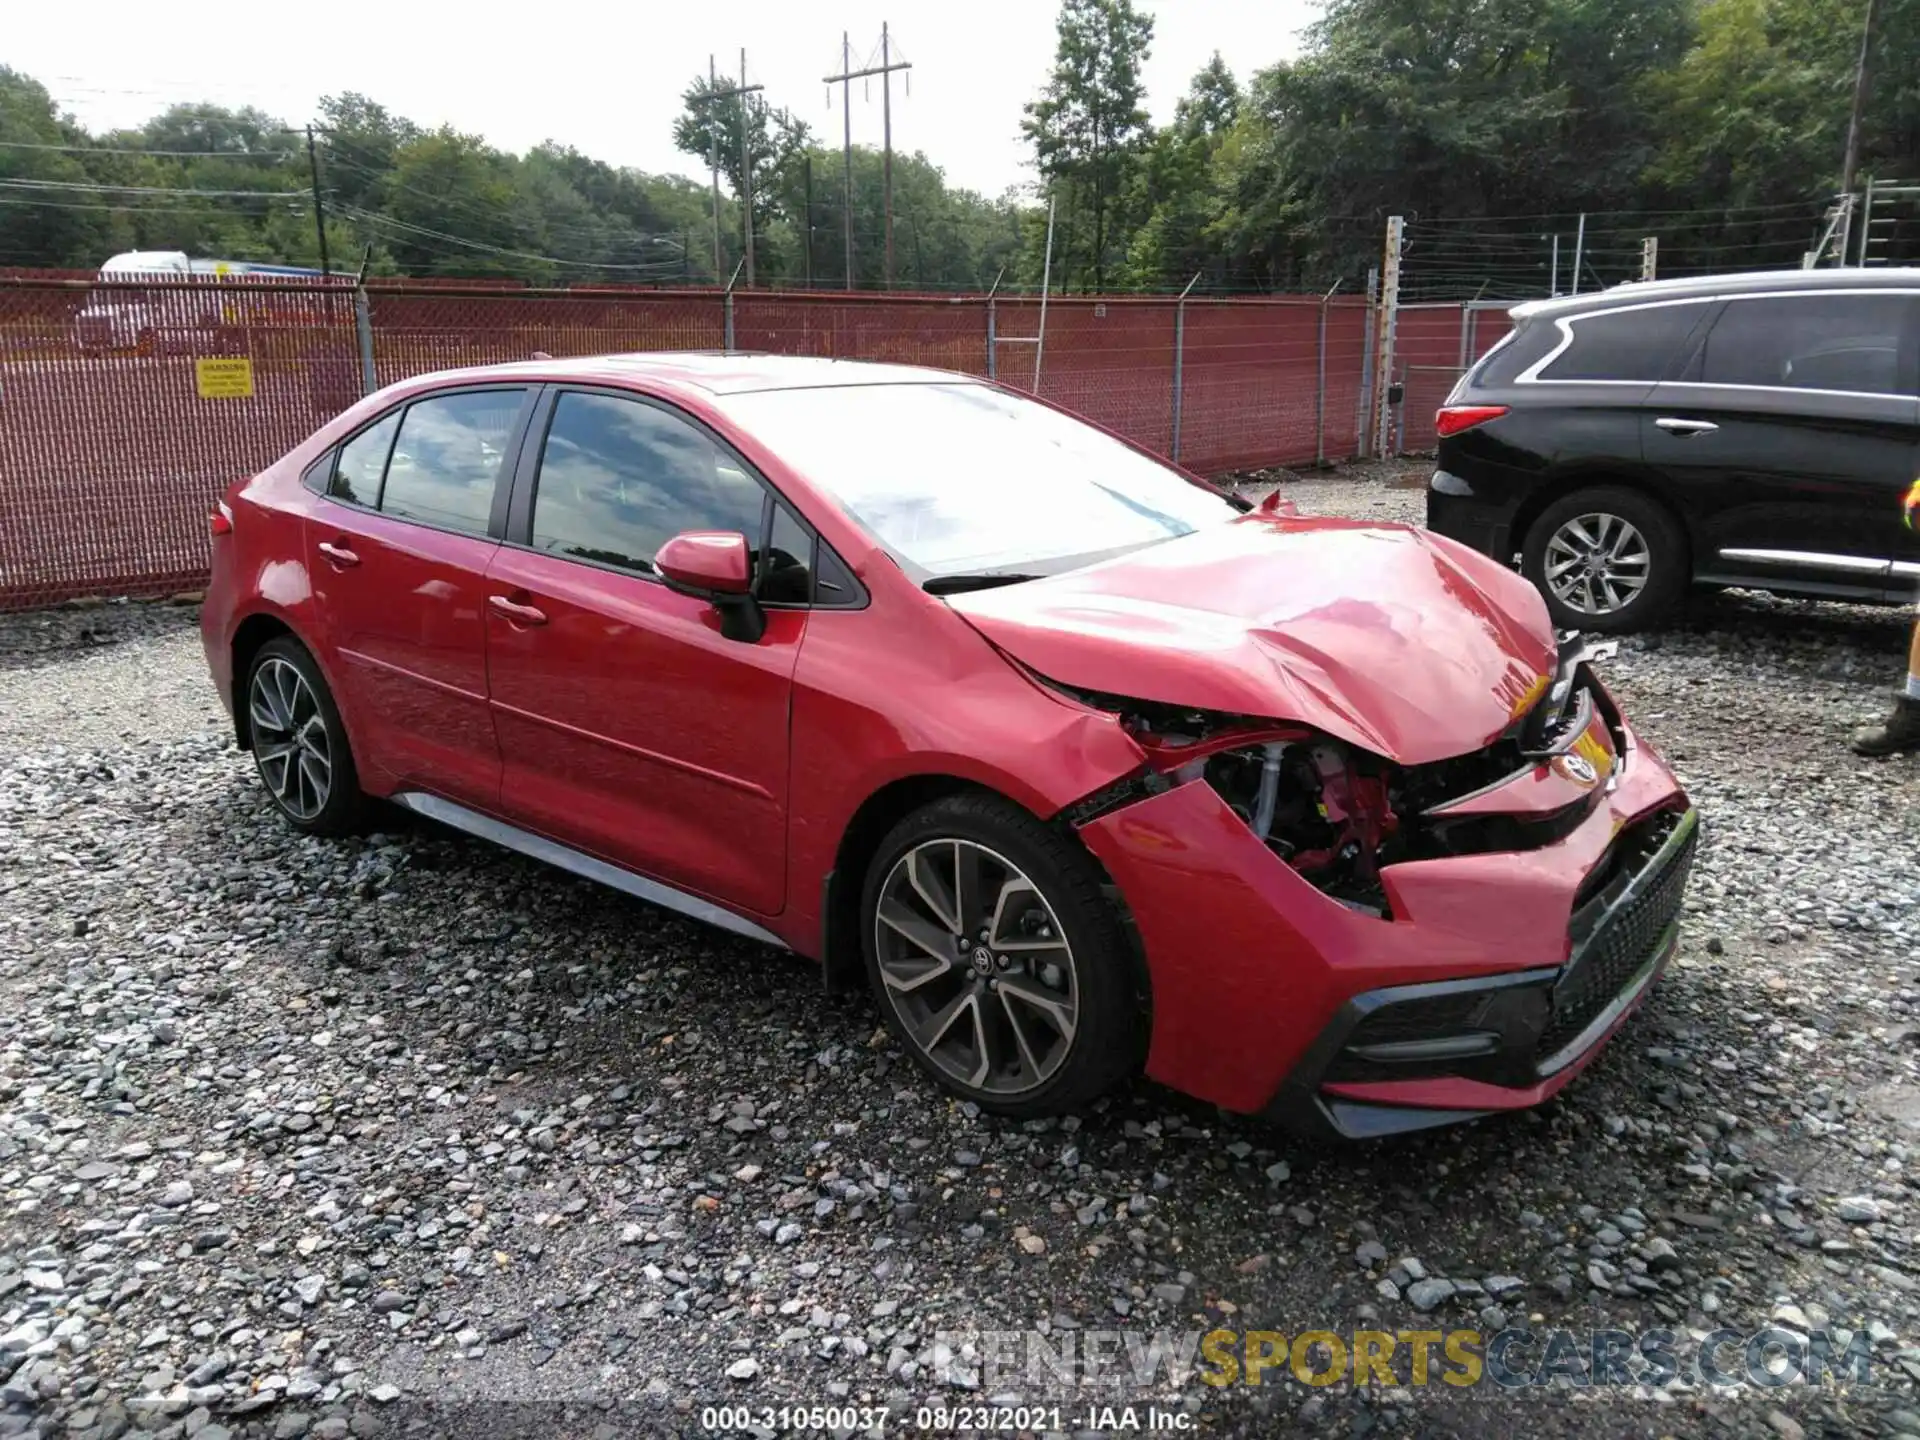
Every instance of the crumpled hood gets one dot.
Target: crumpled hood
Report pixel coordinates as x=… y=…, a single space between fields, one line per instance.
x=1386 y=636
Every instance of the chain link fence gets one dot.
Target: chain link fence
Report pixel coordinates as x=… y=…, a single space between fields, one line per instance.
x=126 y=408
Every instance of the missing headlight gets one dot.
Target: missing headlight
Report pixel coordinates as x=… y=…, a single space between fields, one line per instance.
x=1321 y=806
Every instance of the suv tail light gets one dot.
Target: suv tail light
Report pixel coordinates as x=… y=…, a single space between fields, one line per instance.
x=220 y=522
x=1452 y=419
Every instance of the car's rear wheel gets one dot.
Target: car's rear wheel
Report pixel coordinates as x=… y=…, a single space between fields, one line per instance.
x=299 y=745
x=1607 y=560
x=997 y=961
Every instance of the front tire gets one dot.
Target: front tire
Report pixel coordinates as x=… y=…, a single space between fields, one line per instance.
x=1607 y=560
x=299 y=743
x=997 y=960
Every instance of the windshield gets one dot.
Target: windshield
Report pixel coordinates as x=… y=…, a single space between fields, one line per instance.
x=961 y=478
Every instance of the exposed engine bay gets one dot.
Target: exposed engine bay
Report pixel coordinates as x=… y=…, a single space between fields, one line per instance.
x=1317 y=805
x=1338 y=814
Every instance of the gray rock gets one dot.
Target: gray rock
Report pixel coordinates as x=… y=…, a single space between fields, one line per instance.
x=1430 y=1293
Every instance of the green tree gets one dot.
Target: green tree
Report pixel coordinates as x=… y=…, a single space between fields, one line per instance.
x=943 y=238
x=453 y=208
x=1089 y=126
x=1756 y=112
x=773 y=141
x=42 y=223
x=1176 y=189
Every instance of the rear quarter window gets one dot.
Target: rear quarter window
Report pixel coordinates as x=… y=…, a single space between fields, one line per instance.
x=1637 y=344
x=1516 y=352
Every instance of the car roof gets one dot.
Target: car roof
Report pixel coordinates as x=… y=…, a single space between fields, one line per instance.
x=1715 y=286
x=719 y=372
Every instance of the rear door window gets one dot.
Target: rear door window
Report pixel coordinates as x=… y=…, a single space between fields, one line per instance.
x=1637 y=344
x=447 y=458
x=1808 y=342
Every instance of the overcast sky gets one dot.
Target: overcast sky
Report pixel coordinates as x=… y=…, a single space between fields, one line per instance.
x=607 y=78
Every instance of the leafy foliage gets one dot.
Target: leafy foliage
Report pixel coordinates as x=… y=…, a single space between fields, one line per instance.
x=1716 y=125
x=1089 y=127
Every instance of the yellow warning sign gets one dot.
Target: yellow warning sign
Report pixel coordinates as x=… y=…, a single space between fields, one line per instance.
x=224 y=379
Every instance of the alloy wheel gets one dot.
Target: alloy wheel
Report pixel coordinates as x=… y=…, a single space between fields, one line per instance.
x=1598 y=563
x=291 y=746
x=976 y=966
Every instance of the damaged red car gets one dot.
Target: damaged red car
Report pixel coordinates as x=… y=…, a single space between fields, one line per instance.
x=1087 y=767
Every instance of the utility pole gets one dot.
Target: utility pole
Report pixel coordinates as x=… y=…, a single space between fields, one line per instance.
x=319 y=205
x=846 y=152
x=746 y=165
x=807 y=172
x=1850 y=166
x=714 y=95
x=845 y=79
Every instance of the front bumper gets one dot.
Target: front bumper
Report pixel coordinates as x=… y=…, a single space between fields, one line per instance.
x=1260 y=982
x=1411 y=1057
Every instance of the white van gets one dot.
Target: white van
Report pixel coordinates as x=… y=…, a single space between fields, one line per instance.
x=128 y=317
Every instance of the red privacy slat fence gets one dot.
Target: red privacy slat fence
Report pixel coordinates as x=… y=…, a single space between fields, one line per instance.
x=124 y=415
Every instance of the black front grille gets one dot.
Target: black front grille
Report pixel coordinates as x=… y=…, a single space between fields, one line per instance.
x=1618 y=931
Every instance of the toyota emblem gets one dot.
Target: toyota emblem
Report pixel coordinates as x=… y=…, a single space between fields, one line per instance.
x=1576 y=768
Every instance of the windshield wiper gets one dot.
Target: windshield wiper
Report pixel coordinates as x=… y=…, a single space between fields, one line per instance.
x=964 y=581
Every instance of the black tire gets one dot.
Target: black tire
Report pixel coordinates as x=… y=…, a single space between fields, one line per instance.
x=1667 y=570
x=343 y=807
x=1108 y=992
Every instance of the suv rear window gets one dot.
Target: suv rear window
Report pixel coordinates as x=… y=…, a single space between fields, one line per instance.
x=1635 y=344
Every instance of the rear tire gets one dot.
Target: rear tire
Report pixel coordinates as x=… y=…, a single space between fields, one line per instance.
x=299 y=743
x=1607 y=560
x=997 y=960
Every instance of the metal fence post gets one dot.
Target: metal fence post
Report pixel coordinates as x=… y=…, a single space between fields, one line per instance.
x=727 y=301
x=1320 y=385
x=1389 y=320
x=1362 y=425
x=1179 y=361
x=363 y=326
x=993 y=341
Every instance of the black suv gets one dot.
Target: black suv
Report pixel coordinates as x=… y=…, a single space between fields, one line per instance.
x=1756 y=430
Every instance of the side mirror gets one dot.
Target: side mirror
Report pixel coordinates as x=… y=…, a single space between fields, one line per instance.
x=707 y=563
x=715 y=566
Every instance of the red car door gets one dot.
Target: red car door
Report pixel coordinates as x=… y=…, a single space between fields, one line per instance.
x=630 y=727
x=401 y=546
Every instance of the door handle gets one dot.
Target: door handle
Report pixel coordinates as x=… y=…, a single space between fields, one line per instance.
x=339 y=556
x=518 y=614
x=1674 y=426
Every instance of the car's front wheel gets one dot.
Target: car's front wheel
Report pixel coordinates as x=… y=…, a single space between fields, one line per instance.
x=299 y=745
x=997 y=961
x=1607 y=560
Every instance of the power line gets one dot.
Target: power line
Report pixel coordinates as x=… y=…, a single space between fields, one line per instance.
x=121 y=209
x=373 y=218
x=131 y=150
x=89 y=187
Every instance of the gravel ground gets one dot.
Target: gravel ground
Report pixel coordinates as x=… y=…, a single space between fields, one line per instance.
x=301 y=1137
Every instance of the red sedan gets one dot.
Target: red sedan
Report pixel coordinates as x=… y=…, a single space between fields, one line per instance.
x=1090 y=767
